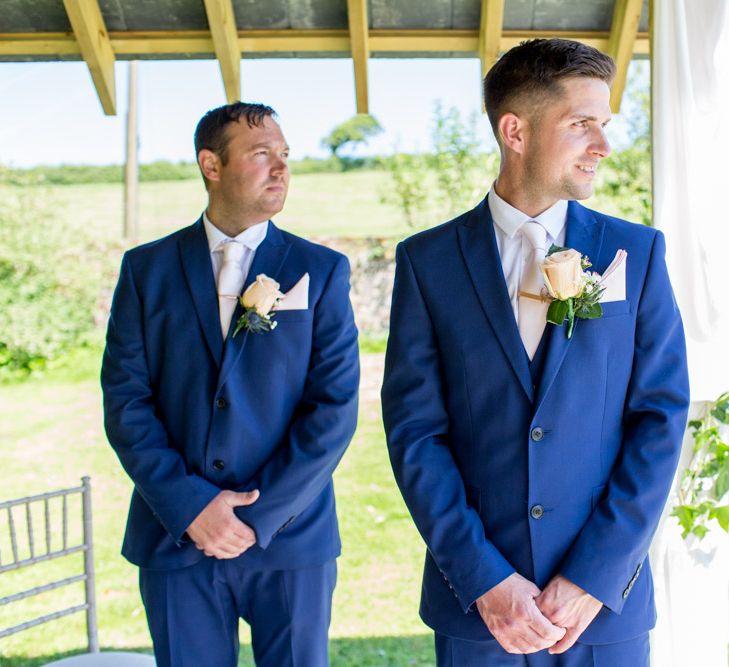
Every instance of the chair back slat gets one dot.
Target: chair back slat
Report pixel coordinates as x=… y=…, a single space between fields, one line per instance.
x=29 y=551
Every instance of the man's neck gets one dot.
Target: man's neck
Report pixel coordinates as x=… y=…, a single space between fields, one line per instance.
x=515 y=195
x=229 y=222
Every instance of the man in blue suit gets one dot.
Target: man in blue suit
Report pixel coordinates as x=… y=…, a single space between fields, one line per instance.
x=536 y=465
x=231 y=436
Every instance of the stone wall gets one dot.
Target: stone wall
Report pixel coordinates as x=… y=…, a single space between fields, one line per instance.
x=373 y=271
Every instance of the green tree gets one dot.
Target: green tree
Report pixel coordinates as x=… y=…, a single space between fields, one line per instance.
x=456 y=159
x=429 y=188
x=627 y=173
x=357 y=130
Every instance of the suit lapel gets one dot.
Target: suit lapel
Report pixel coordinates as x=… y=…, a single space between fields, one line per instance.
x=198 y=269
x=584 y=234
x=269 y=259
x=477 y=240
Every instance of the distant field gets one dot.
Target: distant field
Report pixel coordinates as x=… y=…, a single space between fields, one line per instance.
x=319 y=205
x=344 y=204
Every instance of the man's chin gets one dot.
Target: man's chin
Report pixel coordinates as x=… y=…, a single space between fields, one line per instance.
x=580 y=192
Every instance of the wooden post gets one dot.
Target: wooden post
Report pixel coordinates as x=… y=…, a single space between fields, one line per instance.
x=131 y=166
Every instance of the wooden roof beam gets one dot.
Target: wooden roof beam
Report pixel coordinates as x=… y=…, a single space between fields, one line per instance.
x=360 y=48
x=93 y=41
x=621 y=44
x=224 y=31
x=492 y=23
x=52 y=45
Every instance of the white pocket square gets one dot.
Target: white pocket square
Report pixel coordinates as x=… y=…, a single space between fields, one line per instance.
x=613 y=279
x=297 y=298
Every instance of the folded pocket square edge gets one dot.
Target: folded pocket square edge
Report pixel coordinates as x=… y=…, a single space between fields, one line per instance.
x=297 y=298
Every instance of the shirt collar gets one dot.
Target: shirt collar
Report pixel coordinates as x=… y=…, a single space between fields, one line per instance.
x=510 y=219
x=251 y=237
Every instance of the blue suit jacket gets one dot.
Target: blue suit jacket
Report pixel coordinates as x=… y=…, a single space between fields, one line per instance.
x=460 y=410
x=274 y=410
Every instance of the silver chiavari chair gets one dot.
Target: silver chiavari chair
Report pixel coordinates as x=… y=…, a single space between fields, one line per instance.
x=35 y=544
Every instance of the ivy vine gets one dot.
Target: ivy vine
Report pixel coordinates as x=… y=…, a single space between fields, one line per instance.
x=705 y=482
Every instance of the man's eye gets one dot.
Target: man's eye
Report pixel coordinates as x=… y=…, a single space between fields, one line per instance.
x=580 y=123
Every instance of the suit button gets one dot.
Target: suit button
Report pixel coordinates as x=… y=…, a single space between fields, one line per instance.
x=221 y=403
x=537 y=434
x=218 y=464
x=537 y=512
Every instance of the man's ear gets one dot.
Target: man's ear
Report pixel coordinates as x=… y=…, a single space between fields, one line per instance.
x=512 y=132
x=209 y=164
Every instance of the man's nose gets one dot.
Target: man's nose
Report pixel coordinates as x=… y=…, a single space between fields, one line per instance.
x=601 y=145
x=279 y=165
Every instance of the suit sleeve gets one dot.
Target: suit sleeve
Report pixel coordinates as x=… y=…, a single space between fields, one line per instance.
x=607 y=555
x=158 y=471
x=324 y=422
x=416 y=424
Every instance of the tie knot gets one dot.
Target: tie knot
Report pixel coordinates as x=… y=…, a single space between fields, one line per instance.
x=535 y=234
x=232 y=251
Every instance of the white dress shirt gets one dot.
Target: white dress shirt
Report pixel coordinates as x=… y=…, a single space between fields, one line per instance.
x=514 y=249
x=251 y=238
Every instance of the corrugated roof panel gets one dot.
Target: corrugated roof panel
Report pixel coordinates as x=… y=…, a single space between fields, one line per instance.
x=257 y=15
x=38 y=16
x=133 y=15
x=519 y=14
x=318 y=14
x=573 y=14
x=405 y=14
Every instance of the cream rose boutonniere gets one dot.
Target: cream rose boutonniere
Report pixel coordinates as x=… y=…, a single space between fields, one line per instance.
x=575 y=291
x=258 y=302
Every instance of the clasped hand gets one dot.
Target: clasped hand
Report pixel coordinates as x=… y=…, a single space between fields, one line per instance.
x=524 y=619
x=218 y=532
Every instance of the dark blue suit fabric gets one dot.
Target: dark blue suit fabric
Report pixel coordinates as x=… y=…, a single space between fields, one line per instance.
x=564 y=473
x=190 y=414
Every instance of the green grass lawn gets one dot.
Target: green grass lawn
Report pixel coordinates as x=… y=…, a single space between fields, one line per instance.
x=51 y=434
x=318 y=205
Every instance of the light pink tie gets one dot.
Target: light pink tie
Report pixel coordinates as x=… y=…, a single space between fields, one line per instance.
x=532 y=311
x=230 y=283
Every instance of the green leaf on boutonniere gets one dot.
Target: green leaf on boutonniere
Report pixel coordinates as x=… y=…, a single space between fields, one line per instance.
x=557 y=312
x=589 y=311
x=555 y=248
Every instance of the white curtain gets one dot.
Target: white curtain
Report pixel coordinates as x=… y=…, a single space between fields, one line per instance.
x=690 y=114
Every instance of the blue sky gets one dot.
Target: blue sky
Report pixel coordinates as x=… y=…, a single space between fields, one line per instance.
x=50 y=114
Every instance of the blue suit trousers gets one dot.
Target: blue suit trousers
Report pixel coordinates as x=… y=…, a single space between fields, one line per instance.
x=193 y=613
x=452 y=652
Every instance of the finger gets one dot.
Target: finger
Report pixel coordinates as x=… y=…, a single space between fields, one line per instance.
x=232 y=544
x=224 y=553
x=242 y=498
x=522 y=645
x=240 y=529
x=543 y=627
x=566 y=642
x=522 y=639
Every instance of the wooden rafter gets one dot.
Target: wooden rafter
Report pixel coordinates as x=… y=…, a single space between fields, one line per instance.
x=492 y=24
x=360 y=48
x=50 y=45
x=95 y=47
x=626 y=17
x=224 y=31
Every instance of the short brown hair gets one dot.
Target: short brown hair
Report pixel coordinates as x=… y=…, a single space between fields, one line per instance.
x=534 y=70
x=210 y=131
